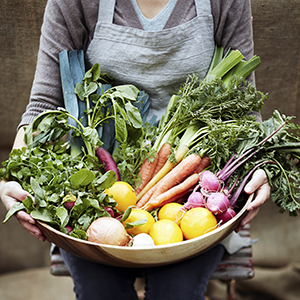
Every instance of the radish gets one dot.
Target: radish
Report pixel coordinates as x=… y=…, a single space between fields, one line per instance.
x=217 y=203
x=226 y=216
x=142 y=240
x=69 y=228
x=110 y=211
x=195 y=199
x=69 y=205
x=209 y=182
x=108 y=162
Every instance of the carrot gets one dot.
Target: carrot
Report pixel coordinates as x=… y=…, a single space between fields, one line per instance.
x=168 y=195
x=183 y=196
x=145 y=198
x=180 y=172
x=146 y=171
x=205 y=162
x=163 y=153
x=168 y=166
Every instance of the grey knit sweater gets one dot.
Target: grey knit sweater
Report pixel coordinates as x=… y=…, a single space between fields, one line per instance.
x=70 y=24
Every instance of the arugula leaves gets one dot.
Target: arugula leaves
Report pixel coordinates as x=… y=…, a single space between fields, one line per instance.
x=54 y=177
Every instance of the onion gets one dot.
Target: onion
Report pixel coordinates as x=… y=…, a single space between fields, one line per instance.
x=226 y=216
x=195 y=199
x=217 y=203
x=209 y=182
x=107 y=230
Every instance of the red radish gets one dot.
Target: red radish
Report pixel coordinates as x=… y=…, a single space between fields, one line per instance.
x=195 y=199
x=108 y=162
x=69 y=205
x=69 y=228
x=217 y=203
x=226 y=216
x=209 y=182
x=110 y=211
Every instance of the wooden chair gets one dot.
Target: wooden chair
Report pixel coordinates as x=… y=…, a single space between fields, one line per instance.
x=238 y=266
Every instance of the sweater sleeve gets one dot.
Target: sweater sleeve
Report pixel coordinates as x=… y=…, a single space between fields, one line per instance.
x=64 y=27
x=233 y=26
x=233 y=29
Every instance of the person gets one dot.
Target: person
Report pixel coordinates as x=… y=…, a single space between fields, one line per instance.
x=155 y=45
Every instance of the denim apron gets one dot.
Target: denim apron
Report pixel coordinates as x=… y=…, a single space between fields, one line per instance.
x=155 y=62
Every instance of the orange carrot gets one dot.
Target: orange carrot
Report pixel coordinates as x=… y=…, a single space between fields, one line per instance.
x=146 y=171
x=167 y=196
x=163 y=153
x=168 y=166
x=145 y=198
x=205 y=162
x=180 y=172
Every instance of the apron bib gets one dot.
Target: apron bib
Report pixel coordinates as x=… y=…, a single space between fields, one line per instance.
x=155 y=62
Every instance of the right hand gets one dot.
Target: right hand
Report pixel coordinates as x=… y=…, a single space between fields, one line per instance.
x=12 y=192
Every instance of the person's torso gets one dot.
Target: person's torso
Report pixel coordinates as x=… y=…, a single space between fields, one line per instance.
x=156 y=62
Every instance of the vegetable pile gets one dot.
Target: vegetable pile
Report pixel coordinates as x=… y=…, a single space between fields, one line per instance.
x=200 y=154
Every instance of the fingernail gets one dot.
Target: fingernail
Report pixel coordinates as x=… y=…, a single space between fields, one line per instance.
x=248 y=189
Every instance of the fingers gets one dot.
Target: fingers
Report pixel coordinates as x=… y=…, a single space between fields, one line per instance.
x=27 y=223
x=259 y=186
x=12 y=192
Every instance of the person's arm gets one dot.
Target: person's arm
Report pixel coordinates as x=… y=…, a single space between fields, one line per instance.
x=67 y=25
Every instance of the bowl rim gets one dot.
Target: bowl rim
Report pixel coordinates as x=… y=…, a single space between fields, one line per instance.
x=229 y=223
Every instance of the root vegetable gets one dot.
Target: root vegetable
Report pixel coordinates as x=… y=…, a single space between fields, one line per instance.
x=209 y=182
x=146 y=171
x=107 y=230
x=142 y=240
x=167 y=196
x=217 y=203
x=195 y=199
x=108 y=162
x=226 y=216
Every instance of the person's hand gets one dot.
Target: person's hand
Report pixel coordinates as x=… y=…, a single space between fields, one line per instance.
x=10 y=193
x=260 y=186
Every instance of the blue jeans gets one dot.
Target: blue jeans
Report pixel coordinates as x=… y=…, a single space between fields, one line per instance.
x=180 y=281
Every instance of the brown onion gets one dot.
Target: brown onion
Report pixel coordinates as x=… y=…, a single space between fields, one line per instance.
x=107 y=230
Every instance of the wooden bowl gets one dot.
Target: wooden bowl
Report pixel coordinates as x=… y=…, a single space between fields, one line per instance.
x=135 y=257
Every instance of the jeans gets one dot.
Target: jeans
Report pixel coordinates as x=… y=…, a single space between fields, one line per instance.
x=179 y=281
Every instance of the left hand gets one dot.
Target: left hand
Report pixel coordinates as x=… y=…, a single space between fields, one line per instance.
x=260 y=186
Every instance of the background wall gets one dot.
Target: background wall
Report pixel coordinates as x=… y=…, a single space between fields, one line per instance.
x=277 y=42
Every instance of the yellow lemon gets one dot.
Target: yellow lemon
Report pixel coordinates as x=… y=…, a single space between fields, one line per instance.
x=123 y=194
x=165 y=232
x=138 y=214
x=196 y=222
x=172 y=212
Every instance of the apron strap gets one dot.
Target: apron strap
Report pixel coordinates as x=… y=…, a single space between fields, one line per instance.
x=106 y=11
x=203 y=7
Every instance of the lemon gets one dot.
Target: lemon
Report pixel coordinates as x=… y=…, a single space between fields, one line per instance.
x=172 y=212
x=138 y=214
x=196 y=222
x=165 y=232
x=123 y=194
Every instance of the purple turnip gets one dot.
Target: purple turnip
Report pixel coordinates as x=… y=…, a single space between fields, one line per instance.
x=226 y=216
x=217 y=203
x=195 y=199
